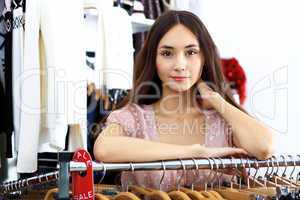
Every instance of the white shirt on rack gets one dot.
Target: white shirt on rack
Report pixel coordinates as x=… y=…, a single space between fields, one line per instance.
x=53 y=81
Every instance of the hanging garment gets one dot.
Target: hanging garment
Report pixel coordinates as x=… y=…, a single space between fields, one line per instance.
x=2 y=109
x=17 y=64
x=139 y=122
x=138 y=41
x=53 y=81
x=94 y=42
x=2 y=74
x=193 y=6
x=2 y=44
x=153 y=9
x=8 y=77
x=118 y=48
x=110 y=34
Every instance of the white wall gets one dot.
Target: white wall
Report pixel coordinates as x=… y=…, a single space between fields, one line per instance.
x=265 y=37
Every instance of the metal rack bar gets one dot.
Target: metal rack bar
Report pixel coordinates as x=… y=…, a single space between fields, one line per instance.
x=190 y=164
x=282 y=161
x=24 y=183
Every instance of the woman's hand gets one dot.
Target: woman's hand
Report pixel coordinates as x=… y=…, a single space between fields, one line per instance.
x=224 y=152
x=207 y=95
x=214 y=152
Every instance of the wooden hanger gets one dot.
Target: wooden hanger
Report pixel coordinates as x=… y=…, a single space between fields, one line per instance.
x=150 y=193
x=282 y=179
x=258 y=187
x=199 y=195
x=50 y=194
x=193 y=194
x=126 y=196
x=235 y=194
x=99 y=196
x=178 y=194
x=147 y=193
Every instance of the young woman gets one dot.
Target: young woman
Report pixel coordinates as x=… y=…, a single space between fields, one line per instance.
x=180 y=105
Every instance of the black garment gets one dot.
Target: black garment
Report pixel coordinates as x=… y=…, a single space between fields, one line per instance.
x=138 y=41
x=8 y=83
x=2 y=109
x=152 y=8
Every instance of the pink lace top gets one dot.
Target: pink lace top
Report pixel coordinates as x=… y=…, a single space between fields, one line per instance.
x=139 y=121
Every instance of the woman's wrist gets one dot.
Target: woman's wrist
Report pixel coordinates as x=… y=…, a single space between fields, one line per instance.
x=218 y=102
x=198 y=150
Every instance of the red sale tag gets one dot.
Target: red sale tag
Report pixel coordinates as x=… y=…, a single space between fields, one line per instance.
x=83 y=182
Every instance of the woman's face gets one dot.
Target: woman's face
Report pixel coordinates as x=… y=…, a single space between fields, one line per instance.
x=179 y=60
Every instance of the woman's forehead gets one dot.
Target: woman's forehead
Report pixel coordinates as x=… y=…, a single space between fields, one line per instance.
x=178 y=37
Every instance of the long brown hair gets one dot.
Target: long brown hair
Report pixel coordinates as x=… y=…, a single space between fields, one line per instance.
x=145 y=62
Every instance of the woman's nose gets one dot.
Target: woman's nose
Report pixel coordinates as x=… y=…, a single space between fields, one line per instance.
x=180 y=63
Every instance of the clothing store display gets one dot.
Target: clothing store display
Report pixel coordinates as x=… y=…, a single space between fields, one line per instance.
x=139 y=122
x=55 y=78
x=254 y=188
x=117 y=30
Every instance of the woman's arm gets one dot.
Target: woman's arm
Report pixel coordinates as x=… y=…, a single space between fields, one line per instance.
x=248 y=133
x=111 y=146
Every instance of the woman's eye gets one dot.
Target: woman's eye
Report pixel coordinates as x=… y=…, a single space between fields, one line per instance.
x=166 y=53
x=192 y=52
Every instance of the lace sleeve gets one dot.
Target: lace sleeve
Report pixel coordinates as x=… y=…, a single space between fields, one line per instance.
x=127 y=119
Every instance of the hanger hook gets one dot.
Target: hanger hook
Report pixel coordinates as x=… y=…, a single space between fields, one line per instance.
x=216 y=172
x=272 y=164
x=277 y=163
x=294 y=164
x=164 y=172
x=268 y=166
x=222 y=172
x=179 y=180
x=248 y=172
x=241 y=172
x=196 y=174
x=210 y=172
x=132 y=172
x=256 y=167
x=235 y=169
x=104 y=172
x=297 y=177
x=283 y=157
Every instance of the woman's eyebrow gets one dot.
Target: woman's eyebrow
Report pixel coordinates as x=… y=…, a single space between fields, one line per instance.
x=166 y=47
x=191 y=45
x=170 y=47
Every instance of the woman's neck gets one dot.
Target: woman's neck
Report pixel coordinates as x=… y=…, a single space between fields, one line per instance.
x=177 y=103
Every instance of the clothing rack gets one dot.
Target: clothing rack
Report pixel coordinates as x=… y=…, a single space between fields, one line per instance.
x=209 y=163
x=67 y=166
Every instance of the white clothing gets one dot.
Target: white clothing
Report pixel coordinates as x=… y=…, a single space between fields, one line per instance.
x=53 y=82
x=118 y=48
x=17 y=67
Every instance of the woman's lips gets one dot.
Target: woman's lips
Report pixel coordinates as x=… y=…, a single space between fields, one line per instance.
x=179 y=78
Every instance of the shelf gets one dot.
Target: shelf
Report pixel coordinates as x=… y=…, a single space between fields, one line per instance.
x=140 y=24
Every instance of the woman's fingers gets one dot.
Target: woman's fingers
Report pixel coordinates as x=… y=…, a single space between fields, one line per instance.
x=225 y=151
